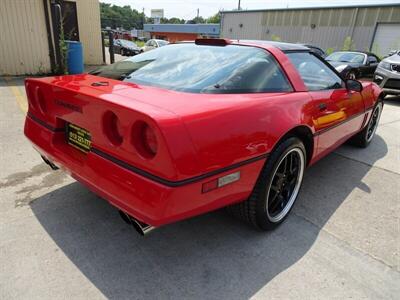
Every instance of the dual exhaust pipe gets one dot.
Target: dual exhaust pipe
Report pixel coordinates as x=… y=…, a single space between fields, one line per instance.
x=142 y=228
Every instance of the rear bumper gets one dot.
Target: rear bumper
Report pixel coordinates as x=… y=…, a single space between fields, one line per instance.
x=150 y=200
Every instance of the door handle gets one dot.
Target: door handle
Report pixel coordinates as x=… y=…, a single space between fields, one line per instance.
x=322 y=106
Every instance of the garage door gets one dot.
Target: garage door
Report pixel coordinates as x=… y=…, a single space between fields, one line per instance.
x=387 y=37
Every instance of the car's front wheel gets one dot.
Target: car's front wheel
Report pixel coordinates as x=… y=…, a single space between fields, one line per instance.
x=277 y=187
x=364 y=137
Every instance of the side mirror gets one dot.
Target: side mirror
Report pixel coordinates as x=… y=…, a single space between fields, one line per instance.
x=354 y=85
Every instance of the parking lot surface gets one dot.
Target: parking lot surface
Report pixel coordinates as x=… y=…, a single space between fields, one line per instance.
x=59 y=240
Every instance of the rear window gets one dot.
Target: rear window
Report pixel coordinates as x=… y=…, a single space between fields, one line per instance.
x=202 y=69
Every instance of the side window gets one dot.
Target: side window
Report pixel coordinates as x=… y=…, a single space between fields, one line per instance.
x=148 y=43
x=316 y=74
x=258 y=74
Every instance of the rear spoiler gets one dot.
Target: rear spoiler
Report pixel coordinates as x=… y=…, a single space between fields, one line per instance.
x=213 y=42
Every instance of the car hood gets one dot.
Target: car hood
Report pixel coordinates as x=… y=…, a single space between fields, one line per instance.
x=394 y=59
x=337 y=64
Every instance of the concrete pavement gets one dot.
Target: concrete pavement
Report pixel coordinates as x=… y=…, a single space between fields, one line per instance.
x=342 y=240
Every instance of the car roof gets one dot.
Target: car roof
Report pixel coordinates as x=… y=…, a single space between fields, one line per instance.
x=356 y=51
x=280 y=45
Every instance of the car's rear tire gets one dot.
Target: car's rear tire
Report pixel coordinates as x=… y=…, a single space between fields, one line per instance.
x=277 y=187
x=365 y=136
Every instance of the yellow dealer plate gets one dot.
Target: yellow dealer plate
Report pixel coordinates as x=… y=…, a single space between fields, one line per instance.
x=78 y=137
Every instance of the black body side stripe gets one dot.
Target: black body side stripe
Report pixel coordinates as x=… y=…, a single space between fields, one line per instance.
x=342 y=122
x=169 y=182
x=44 y=124
x=150 y=176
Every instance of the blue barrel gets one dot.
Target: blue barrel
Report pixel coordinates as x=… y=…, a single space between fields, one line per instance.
x=74 y=57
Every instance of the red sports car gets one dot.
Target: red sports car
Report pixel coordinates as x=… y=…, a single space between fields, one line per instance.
x=196 y=126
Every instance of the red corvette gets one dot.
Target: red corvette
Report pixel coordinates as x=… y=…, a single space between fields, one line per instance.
x=192 y=127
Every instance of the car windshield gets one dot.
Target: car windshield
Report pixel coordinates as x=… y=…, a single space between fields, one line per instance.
x=202 y=69
x=347 y=57
x=128 y=43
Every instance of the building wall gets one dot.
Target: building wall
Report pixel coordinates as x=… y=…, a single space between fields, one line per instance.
x=24 y=47
x=332 y=25
x=88 y=12
x=174 y=36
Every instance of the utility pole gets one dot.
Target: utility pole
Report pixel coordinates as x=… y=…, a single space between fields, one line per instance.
x=198 y=13
x=239 y=5
x=143 y=19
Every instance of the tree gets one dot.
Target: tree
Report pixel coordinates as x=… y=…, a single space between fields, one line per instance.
x=116 y=16
x=215 y=19
x=199 y=20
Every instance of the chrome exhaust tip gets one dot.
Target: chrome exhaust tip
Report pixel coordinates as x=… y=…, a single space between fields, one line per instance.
x=142 y=228
x=51 y=164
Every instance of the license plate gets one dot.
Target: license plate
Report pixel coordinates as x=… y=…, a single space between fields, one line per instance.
x=78 y=137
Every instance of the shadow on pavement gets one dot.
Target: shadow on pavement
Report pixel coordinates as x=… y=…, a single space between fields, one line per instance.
x=211 y=256
x=392 y=100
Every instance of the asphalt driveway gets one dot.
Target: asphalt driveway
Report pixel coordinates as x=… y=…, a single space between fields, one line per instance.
x=59 y=240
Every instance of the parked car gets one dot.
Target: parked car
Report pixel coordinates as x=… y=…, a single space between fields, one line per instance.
x=153 y=44
x=354 y=64
x=316 y=50
x=393 y=52
x=224 y=123
x=125 y=47
x=387 y=74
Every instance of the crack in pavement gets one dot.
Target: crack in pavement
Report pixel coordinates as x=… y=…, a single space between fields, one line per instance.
x=364 y=163
x=392 y=267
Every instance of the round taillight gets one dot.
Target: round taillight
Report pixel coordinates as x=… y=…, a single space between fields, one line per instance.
x=30 y=95
x=112 y=128
x=150 y=140
x=144 y=139
x=40 y=100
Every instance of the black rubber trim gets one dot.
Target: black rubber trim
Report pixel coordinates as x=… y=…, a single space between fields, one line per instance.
x=170 y=183
x=322 y=131
x=44 y=124
x=148 y=175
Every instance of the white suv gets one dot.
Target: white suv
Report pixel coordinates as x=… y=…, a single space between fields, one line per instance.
x=387 y=74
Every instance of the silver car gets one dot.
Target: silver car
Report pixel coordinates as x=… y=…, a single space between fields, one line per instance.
x=387 y=74
x=153 y=44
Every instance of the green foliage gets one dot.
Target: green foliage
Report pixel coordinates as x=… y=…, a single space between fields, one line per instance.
x=62 y=67
x=128 y=18
x=116 y=16
x=172 y=21
x=198 y=20
x=330 y=50
x=348 y=44
x=215 y=19
x=276 y=38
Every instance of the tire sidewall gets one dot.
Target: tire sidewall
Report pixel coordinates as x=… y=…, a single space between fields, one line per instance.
x=365 y=133
x=266 y=177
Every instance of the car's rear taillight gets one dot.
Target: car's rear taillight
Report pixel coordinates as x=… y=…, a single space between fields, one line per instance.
x=40 y=100
x=145 y=139
x=30 y=94
x=112 y=128
x=150 y=140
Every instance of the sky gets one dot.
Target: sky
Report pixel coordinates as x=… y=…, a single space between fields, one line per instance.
x=187 y=9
